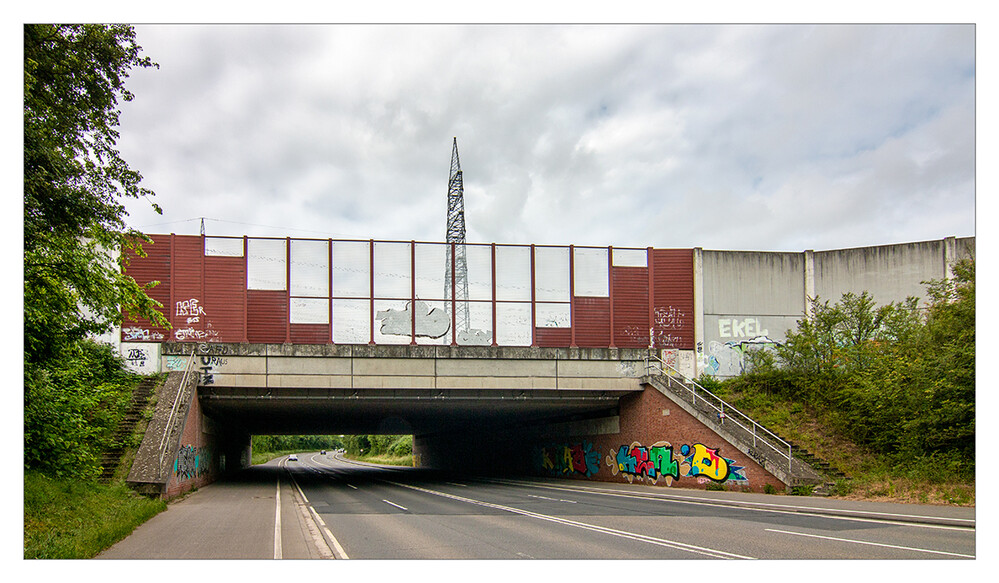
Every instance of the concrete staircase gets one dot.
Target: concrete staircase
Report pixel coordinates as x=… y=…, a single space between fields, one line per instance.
x=111 y=457
x=790 y=463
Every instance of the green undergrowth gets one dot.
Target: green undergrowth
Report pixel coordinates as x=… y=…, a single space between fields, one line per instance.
x=67 y=518
x=384 y=459
x=872 y=475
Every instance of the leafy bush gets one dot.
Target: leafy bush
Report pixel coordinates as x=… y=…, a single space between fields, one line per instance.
x=72 y=407
x=894 y=379
x=802 y=490
x=401 y=446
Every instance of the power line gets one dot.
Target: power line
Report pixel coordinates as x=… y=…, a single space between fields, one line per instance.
x=203 y=219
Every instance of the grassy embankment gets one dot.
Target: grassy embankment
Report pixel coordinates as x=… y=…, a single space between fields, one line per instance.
x=67 y=518
x=73 y=516
x=874 y=477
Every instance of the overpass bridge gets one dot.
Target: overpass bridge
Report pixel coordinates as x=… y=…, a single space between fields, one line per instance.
x=551 y=373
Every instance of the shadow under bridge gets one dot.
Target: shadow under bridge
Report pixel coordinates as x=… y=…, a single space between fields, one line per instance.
x=420 y=390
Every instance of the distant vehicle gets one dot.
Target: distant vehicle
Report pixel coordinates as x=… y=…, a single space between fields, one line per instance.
x=322 y=452
x=293 y=458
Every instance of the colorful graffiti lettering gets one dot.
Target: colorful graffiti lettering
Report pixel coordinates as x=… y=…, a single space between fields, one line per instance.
x=645 y=463
x=705 y=462
x=563 y=459
x=192 y=462
x=660 y=462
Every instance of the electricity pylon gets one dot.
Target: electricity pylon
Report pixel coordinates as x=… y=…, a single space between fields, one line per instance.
x=456 y=235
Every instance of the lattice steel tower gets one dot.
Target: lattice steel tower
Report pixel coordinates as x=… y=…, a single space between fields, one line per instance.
x=456 y=235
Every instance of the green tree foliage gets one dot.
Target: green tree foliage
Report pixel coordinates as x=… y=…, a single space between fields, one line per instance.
x=273 y=443
x=75 y=237
x=72 y=407
x=895 y=378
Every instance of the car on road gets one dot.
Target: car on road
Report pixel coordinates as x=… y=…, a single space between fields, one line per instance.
x=293 y=457
x=322 y=452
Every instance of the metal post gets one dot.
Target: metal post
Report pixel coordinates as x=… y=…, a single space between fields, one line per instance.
x=371 y=289
x=412 y=291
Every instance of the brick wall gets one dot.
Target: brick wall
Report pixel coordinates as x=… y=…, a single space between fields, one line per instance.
x=198 y=460
x=664 y=445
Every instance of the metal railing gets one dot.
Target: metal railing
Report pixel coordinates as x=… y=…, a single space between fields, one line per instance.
x=168 y=429
x=654 y=366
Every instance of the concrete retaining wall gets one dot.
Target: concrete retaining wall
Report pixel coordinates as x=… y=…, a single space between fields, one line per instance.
x=751 y=299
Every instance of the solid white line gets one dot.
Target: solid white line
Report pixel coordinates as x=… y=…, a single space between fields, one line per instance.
x=277 y=520
x=336 y=543
x=601 y=529
x=755 y=506
x=396 y=505
x=861 y=542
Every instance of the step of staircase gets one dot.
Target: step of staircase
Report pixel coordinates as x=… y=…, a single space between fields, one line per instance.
x=111 y=457
x=800 y=453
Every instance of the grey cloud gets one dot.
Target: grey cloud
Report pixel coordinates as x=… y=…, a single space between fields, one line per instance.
x=714 y=136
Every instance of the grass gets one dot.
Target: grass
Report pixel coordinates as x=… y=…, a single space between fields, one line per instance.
x=262 y=457
x=384 y=459
x=873 y=476
x=72 y=519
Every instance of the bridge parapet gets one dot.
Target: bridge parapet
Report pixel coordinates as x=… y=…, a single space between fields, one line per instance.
x=410 y=367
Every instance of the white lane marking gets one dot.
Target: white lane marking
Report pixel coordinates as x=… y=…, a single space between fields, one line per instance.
x=601 y=529
x=552 y=499
x=336 y=543
x=339 y=549
x=456 y=484
x=862 y=542
x=351 y=485
x=755 y=506
x=396 y=505
x=277 y=519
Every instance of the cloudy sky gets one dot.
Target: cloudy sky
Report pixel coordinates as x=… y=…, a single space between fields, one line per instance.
x=781 y=137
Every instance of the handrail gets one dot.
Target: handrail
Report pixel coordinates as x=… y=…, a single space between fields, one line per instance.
x=725 y=409
x=168 y=429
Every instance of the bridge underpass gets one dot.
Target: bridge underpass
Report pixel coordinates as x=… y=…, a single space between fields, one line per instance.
x=303 y=411
x=545 y=373
x=569 y=412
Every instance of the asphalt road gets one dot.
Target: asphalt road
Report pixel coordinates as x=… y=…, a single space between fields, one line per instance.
x=334 y=508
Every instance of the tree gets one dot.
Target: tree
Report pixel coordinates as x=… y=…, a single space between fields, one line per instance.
x=76 y=242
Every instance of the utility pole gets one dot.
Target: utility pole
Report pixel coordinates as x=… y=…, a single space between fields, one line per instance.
x=456 y=235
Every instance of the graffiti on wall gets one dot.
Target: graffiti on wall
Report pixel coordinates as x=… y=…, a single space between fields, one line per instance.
x=208 y=364
x=703 y=462
x=136 y=357
x=192 y=462
x=566 y=459
x=176 y=362
x=667 y=323
x=136 y=334
x=192 y=311
x=729 y=358
x=661 y=461
x=430 y=323
x=646 y=463
x=740 y=328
